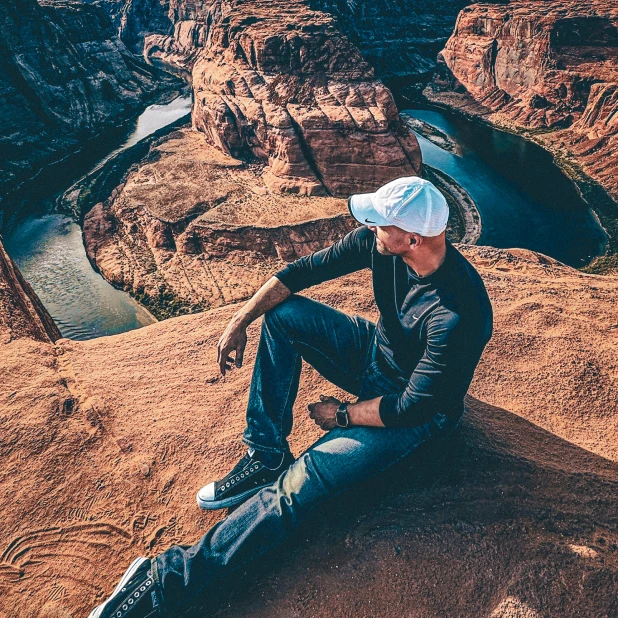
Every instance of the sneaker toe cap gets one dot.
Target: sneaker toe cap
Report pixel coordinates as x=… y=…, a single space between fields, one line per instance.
x=207 y=493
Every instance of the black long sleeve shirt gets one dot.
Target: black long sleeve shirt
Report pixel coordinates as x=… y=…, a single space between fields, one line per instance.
x=432 y=329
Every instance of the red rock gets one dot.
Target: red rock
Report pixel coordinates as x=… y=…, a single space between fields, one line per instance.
x=279 y=82
x=21 y=312
x=545 y=65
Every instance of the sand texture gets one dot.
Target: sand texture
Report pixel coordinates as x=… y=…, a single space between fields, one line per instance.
x=105 y=442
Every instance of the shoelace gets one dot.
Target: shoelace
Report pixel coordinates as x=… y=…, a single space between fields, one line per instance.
x=242 y=475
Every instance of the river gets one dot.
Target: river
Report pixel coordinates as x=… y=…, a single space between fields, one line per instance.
x=49 y=250
x=524 y=199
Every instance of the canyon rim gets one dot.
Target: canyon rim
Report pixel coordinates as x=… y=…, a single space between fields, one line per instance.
x=103 y=443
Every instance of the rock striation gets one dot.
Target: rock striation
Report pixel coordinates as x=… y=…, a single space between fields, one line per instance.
x=546 y=66
x=515 y=516
x=64 y=78
x=280 y=83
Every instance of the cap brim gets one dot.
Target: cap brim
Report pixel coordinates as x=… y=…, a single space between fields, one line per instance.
x=361 y=208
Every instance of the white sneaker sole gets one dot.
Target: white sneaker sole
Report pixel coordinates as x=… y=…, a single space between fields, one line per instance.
x=213 y=505
x=97 y=611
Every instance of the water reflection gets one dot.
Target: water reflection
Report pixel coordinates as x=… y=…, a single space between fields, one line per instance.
x=49 y=250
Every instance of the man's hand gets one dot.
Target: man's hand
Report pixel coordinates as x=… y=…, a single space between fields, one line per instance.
x=323 y=412
x=234 y=338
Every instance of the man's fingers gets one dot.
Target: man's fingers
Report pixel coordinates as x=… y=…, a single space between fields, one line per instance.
x=239 y=354
x=223 y=356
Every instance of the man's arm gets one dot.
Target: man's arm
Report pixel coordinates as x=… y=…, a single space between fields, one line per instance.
x=234 y=337
x=350 y=253
x=442 y=375
x=347 y=255
x=360 y=413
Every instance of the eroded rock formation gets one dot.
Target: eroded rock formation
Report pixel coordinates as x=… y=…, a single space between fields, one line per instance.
x=550 y=66
x=63 y=78
x=279 y=82
x=198 y=226
x=192 y=227
x=516 y=516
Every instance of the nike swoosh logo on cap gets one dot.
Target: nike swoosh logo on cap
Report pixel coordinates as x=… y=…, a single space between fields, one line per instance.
x=367 y=221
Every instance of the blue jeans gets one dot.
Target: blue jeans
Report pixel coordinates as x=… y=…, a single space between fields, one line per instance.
x=343 y=349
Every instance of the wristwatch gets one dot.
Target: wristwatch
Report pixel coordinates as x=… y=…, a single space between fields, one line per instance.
x=342 y=417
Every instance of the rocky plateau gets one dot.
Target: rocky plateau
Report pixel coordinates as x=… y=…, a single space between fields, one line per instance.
x=104 y=443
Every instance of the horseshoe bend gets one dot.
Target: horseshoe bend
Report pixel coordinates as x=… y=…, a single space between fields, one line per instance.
x=104 y=442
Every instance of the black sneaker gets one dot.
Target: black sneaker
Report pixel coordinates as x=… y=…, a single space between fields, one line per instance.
x=133 y=596
x=248 y=476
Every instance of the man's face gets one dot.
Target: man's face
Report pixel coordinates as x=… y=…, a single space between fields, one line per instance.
x=390 y=239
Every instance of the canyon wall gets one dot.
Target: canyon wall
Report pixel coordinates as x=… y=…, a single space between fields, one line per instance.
x=21 y=312
x=551 y=67
x=135 y=19
x=399 y=38
x=279 y=82
x=64 y=78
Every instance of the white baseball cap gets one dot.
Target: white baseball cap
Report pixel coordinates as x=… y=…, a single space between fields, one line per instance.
x=410 y=203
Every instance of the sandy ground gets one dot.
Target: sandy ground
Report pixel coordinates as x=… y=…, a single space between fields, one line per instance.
x=104 y=443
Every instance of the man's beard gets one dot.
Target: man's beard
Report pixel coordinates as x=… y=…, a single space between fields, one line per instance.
x=382 y=249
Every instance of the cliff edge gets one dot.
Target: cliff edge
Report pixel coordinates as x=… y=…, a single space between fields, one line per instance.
x=515 y=517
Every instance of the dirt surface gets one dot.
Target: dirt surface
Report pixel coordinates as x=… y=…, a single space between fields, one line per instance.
x=105 y=442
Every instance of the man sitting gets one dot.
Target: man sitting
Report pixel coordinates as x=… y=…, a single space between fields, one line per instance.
x=409 y=372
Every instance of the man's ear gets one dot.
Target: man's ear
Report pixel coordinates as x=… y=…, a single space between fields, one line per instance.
x=413 y=240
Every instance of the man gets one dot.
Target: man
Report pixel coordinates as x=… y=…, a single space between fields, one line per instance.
x=410 y=373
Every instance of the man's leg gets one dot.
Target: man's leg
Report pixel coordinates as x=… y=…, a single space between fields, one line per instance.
x=333 y=342
x=338 y=459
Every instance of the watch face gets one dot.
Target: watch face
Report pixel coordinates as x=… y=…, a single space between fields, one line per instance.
x=342 y=418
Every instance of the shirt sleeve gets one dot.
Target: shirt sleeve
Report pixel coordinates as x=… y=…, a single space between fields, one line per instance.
x=441 y=377
x=349 y=254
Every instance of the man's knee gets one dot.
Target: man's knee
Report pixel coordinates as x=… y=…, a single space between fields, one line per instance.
x=284 y=313
x=300 y=488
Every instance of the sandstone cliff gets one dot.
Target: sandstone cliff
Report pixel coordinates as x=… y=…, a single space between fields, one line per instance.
x=21 y=312
x=279 y=82
x=63 y=78
x=547 y=66
x=516 y=517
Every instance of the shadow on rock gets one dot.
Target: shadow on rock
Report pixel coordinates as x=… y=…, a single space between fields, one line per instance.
x=503 y=519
